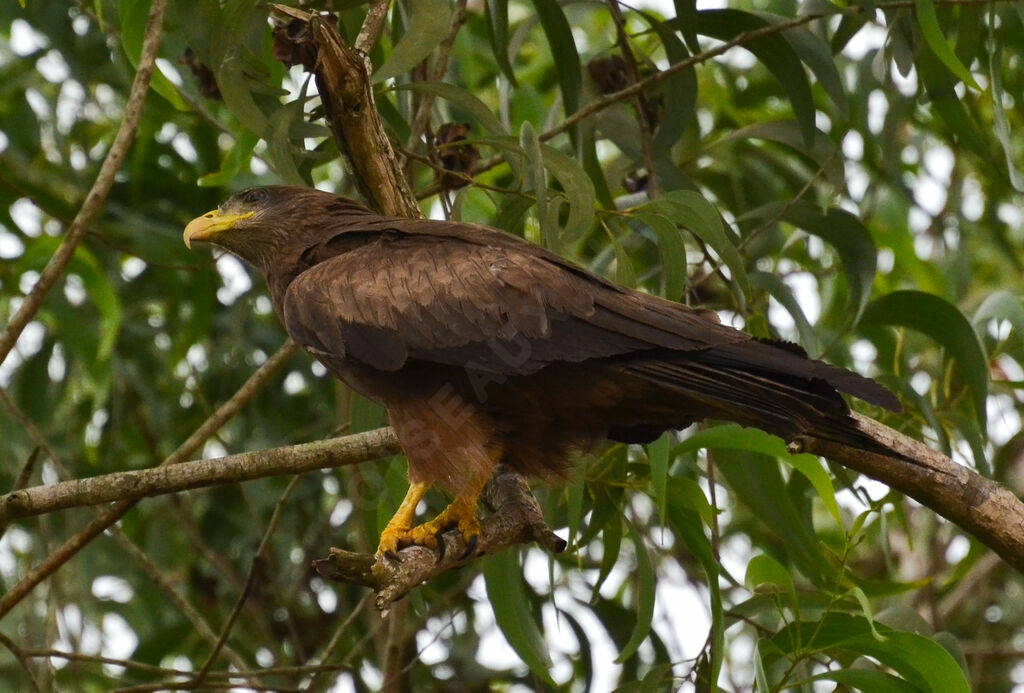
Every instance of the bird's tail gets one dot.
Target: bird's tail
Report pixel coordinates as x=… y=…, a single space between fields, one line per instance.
x=768 y=385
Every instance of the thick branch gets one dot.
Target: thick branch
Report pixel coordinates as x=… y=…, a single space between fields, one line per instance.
x=351 y=114
x=985 y=508
x=516 y=519
x=141 y=483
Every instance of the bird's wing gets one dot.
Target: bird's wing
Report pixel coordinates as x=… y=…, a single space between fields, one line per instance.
x=490 y=301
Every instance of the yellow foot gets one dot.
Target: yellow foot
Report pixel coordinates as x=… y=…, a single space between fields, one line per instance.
x=461 y=514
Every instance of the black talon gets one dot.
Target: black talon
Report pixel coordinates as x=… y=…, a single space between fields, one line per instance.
x=439 y=535
x=391 y=555
x=470 y=547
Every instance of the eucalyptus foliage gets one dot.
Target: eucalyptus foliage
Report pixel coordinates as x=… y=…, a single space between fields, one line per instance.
x=845 y=177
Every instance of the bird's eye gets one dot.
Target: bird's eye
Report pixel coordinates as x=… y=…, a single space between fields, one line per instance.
x=255 y=196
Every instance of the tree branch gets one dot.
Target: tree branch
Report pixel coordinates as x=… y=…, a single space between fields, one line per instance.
x=343 y=82
x=90 y=210
x=516 y=519
x=141 y=483
x=80 y=539
x=981 y=506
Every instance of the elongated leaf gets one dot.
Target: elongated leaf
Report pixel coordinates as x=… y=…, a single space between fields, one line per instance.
x=427 y=26
x=763 y=569
x=235 y=160
x=919 y=660
x=563 y=49
x=947 y=104
x=463 y=99
x=611 y=538
x=133 y=15
x=496 y=12
x=1002 y=305
x=851 y=239
x=781 y=293
x=944 y=323
x=680 y=92
x=929 y=22
x=658 y=456
x=537 y=181
x=686 y=19
x=731 y=436
x=868 y=680
x=822 y=150
x=698 y=215
x=644 y=595
x=504 y=581
x=673 y=252
x=816 y=54
x=772 y=50
x=1002 y=125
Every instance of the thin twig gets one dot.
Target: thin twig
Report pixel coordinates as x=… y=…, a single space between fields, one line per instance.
x=372 y=27
x=94 y=201
x=22 y=658
x=76 y=542
x=258 y=561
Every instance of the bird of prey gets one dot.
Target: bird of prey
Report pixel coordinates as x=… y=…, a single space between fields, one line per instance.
x=485 y=348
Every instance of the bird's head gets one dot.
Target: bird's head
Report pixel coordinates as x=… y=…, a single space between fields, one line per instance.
x=251 y=224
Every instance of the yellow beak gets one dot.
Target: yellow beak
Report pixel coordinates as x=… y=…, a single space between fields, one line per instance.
x=204 y=228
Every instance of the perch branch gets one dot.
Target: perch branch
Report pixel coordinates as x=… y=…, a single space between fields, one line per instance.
x=516 y=519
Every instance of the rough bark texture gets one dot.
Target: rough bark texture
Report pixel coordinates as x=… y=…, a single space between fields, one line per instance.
x=985 y=508
x=516 y=519
x=342 y=79
x=155 y=481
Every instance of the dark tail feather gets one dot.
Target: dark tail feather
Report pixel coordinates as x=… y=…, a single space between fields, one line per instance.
x=767 y=387
x=787 y=359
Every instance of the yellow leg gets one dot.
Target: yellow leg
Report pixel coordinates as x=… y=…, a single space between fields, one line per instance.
x=400 y=523
x=460 y=513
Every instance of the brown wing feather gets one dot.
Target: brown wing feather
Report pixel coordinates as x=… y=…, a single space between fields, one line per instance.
x=443 y=299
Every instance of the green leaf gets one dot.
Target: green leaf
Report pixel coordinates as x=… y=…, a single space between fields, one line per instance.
x=772 y=50
x=851 y=239
x=134 y=14
x=733 y=437
x=611 y=542
x=537 y=181
x=658 y=456
x=234 y=161
x=462 y=99
x=1002 y=125
x=939 y=85
x=816 y=54
x=1001 y=305
x=929 y=22
x=686 y=20
x=943 y=322
x=763 y=569
x=701 y=218
x=563 y=49
x=427 y=26
x=867 y=680
x=673 y=252
x=496 y=13
x=644 y=595
x=507 y=595
x=919 y=660
x=579 y=191
x=781 y=293
x=822 y=150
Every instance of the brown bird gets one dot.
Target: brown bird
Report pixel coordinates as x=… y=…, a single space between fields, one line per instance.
x=485 y=348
